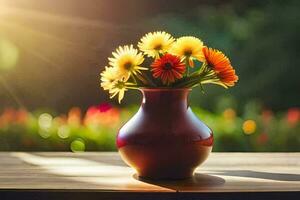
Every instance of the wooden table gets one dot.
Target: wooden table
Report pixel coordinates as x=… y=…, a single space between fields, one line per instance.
x=105 y=176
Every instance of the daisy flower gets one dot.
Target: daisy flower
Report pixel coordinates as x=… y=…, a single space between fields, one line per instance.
x=119 y=87
x=189 y=48
x=169 y=68
x=153 y=44
x=127 y=61
x=221 y=65
x=108 y=76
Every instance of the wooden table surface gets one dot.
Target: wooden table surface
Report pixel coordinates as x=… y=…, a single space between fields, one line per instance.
x=105 y=176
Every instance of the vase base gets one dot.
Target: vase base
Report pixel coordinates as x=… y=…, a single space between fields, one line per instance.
x=176 y=177
x=162 y=162
x=174 y=174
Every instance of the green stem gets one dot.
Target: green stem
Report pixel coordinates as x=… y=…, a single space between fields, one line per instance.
x=131 y=87
x=202 y=69
x=196 y=79
x=151 y=83
x=189 y=82
x=141 y=78
x=187 y=65
x=201 y=87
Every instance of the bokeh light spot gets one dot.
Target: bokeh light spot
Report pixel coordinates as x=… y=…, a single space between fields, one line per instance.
x=9 y=54
x=229 y=113
x=63 y=132
x=44 y=133
x=45 y=121
x=78 y=145
x=249 y=127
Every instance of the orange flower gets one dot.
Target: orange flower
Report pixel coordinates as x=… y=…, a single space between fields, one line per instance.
x=168 y=68
x=218 y=62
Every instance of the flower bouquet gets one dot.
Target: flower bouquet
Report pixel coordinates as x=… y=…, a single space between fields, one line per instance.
x=175 y=63
x=164 y=139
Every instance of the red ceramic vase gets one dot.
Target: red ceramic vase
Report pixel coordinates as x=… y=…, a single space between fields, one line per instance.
x=164 y=139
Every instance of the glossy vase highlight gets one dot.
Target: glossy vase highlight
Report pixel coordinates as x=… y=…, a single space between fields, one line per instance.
x=164 y=139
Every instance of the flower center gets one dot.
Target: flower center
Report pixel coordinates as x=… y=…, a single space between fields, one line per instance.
x=128 y=65
x=158 y=47
x=168 y=66
x=188 y=52
x=120 y=85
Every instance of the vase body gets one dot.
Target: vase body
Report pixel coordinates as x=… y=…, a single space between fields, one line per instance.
x=164 y=139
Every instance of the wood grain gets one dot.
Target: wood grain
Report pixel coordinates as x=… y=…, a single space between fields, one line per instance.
x=221 y=173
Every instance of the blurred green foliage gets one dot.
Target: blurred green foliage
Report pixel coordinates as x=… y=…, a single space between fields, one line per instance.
x=260 y=37
x=254 y=130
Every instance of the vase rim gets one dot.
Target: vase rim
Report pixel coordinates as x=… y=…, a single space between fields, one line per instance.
x=165 y=89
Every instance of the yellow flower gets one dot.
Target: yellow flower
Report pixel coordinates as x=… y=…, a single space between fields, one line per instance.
x=152 y=44
x=108 y=76
x=127 y=61
x=119 y=87
x=188 y=47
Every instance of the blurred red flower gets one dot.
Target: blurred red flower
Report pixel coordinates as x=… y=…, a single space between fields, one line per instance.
x=293 y=116
x=262 y=138
x=267 y=115
x=103 y=114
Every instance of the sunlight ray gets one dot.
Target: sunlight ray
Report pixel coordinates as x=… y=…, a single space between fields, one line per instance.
x=58 y=41
x=83 y=170
x=56 y=18
x=36 y=53
x=41 y=57
x=11 y=92
x=45 y=35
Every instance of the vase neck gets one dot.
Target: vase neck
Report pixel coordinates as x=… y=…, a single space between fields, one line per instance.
x=165 y=100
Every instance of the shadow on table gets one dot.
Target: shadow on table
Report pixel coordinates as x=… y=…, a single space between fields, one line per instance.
x=256 y=174
x=67 y=170
x=104 y=169
x=202 y=181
